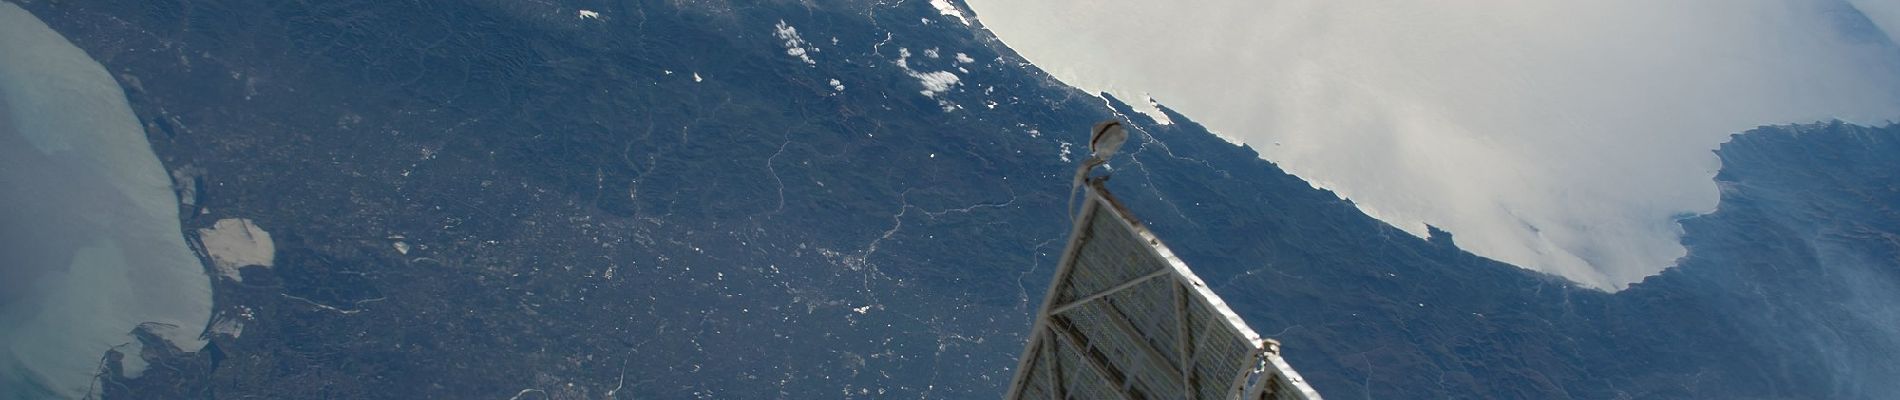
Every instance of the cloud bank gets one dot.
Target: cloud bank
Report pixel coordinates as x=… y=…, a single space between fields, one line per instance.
x=1564 y=137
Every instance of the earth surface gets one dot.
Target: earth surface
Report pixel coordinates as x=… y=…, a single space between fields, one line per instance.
x=861 y=199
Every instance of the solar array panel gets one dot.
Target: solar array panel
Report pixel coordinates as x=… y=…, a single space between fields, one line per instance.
x=1126 y=319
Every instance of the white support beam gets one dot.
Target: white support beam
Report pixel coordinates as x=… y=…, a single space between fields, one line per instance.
x=1123 y=286
x=1078 y=235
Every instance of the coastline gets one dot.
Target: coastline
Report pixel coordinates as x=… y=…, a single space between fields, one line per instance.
x=95 y=221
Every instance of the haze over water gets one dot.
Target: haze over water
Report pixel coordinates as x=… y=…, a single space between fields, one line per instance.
x=90 y=241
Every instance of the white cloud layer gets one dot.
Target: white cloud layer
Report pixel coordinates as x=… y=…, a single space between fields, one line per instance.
x=1559 y=136
x=935 y=83
x=795 y=46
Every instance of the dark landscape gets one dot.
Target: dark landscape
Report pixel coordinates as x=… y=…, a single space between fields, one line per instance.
x=662 y=202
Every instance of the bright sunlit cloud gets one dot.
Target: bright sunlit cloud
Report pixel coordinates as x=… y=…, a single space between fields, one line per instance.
x=1563 y=137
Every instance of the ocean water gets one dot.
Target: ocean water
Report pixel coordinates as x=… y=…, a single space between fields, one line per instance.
x=90 y=242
